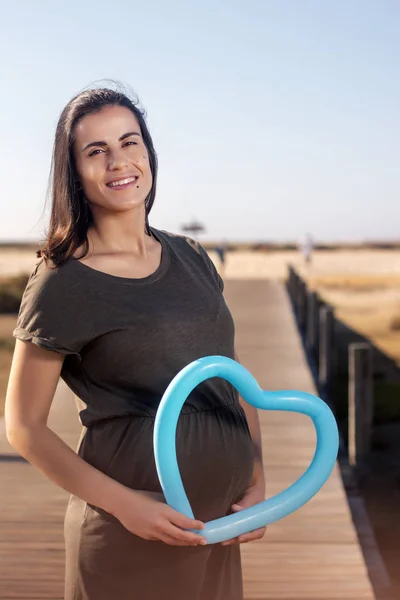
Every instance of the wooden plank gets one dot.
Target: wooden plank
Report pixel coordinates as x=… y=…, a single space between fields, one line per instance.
x=301 y=556
x=312 y=554
x=32 y=511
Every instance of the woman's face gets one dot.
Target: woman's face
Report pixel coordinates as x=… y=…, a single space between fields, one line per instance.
x=112 y=160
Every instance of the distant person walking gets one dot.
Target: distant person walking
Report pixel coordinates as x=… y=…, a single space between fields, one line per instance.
x=307 y=247
x=221 y=251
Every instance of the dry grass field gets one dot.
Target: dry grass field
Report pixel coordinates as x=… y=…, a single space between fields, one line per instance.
x=368 y=303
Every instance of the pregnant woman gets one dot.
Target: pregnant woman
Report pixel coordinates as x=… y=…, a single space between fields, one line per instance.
x=117 y=308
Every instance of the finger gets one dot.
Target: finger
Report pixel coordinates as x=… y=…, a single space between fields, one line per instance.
x=183 y=521
x=246 y=537
x=171 y=541
x=257 y=534
x=230 y=542
x=174 y=540
x=238 y=507
x=191 y=538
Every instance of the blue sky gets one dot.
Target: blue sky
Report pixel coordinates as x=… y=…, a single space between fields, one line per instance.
x=271 y=119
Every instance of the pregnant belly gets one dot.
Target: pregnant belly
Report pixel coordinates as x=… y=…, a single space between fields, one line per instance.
x=214 y=450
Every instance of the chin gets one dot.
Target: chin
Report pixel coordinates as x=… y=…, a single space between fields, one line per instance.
x=127 y=204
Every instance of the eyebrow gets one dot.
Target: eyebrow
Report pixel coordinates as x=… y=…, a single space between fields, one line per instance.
x=125 y=135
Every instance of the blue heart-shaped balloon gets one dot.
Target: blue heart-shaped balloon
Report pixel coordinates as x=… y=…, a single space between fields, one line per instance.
x=274 y=508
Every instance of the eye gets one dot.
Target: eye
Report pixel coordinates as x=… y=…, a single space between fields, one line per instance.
x=94 y=152
x=130 y=142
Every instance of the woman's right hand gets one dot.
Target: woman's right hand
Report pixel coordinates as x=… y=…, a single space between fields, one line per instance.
x=147 y=515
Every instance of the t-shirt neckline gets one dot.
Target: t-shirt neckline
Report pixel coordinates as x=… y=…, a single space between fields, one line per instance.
x=155 y=276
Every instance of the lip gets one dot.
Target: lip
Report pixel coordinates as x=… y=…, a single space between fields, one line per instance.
x=122 y=187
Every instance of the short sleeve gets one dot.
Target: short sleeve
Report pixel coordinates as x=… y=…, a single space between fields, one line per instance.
x=210 y=265
x=50 y=313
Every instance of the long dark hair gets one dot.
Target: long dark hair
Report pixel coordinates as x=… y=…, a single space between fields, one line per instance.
x=71 y=216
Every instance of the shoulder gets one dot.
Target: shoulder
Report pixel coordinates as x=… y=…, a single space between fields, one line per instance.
x=47 y=280
x=51 y=313
x=181 y=241
x=192 y=248
x=44 y=275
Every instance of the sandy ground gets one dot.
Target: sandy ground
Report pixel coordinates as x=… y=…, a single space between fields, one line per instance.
x=363 y=285
x=262 y=265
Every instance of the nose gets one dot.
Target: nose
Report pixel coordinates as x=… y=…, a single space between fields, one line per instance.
x=117 y=160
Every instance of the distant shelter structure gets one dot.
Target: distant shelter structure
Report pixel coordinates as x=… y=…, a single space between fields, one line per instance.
x=194 y=227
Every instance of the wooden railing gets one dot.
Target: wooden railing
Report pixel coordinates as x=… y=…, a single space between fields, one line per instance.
x=316 y=322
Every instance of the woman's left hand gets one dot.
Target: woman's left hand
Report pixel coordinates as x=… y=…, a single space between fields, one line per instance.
x=255 y=494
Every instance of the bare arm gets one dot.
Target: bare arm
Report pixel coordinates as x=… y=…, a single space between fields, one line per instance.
x=32 y=384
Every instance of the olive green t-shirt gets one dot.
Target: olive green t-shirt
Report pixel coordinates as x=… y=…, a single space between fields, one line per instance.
x=124 y=339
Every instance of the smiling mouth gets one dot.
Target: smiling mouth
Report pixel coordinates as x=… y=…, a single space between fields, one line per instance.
x=122 y=183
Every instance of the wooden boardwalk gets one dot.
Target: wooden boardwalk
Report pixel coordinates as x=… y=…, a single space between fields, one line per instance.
x=312 y=554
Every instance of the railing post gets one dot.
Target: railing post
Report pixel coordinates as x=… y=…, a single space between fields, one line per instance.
x=312 y=322
x=292 y=283
x=360 y=403
x=302 y=304
x=295 y=290
x=294 y=286
x=326 y=348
